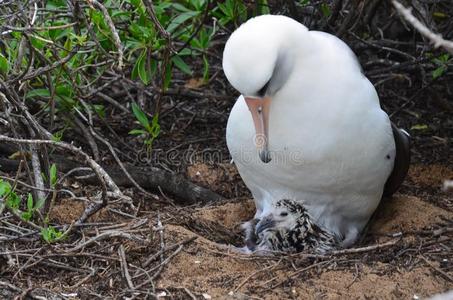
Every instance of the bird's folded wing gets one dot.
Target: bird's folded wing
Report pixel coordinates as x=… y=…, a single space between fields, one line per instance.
x=402 y=161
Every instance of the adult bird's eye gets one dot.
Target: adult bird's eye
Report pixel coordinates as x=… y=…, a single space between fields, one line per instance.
x=283 y=214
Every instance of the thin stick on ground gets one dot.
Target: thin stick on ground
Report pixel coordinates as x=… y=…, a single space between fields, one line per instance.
x=104 y=235
x=295 y=273
x=367 y=248
x=444 y=274
x=161 y=266
x=169 y=248
x=255 y=273
x=124 y=268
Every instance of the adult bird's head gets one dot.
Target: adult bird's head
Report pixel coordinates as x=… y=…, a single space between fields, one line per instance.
x=258 y=60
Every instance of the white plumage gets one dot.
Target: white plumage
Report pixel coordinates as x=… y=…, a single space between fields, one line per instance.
x=330 y=144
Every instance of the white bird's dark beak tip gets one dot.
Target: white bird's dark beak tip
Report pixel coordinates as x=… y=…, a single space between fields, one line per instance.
x=265 y=156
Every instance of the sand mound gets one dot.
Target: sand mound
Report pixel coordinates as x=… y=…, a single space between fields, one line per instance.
x=204 y=267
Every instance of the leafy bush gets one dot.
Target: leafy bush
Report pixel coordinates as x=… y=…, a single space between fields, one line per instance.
x=63 y=59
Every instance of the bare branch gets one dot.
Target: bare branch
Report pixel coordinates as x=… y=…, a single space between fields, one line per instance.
x=103 y=177
x=116 y=37
x=435 y=38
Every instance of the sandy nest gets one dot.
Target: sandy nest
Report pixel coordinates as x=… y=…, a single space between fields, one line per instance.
x=205 y=268
x=403 y=271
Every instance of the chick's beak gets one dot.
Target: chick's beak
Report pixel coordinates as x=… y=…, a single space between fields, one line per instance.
x=259 y=108
x=265 y=223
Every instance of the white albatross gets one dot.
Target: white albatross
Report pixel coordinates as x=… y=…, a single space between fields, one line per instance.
x=307 y=127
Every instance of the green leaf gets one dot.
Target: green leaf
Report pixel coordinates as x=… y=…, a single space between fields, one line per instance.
x=263 y=7
x=180 y=64
x=67 y=47
x=444 y=57
x=64 y=90
x=227 y=8
x=203 y=41
x=439 y=72
x=196 y=43
x=29 y=202
x=13 y=201
x=40 y=203
x=99 y=109
x=137 y=131
x=37 y=43
x=185 y=52
x=26 y=215
x=53 y=175
x=38 y=93
x=136 y=3
x=160 y=8
x=205 y=69
x=4 y=66
x=44 y=177
x=57 y=136
x=419 y=127
x=134 y=73
x=180 y=7
x=155 y=128
x=198 y=4
x=143 y=73
x=140 y=115
x=325 y=9
x=57 y=34
x=141 y=33
x=55 y=4
x=50 y=234
x=180 y=19
x=440 y=15
x=5 y=187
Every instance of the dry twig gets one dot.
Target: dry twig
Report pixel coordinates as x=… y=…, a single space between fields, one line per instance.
x=434 y=38
x=116 y=37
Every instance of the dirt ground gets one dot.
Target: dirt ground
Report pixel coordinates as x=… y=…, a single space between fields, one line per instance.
x=406 y=252
x=203 y=267
x=402 y=271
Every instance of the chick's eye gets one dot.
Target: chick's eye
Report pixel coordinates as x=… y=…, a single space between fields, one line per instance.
x=283 y=214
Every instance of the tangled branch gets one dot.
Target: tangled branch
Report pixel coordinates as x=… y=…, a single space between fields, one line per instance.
x=434 y=38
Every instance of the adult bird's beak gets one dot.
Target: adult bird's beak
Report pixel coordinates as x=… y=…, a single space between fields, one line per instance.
x=259 y=108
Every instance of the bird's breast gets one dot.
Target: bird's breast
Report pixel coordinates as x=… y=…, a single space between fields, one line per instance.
x=313 y=149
